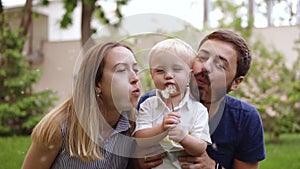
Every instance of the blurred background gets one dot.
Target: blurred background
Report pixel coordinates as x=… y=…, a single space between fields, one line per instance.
x=41 y=40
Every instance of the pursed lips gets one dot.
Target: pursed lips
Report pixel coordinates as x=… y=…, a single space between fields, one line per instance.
x=136 y=92
x=202 y=79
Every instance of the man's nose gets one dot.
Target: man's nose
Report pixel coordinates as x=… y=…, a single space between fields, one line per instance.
x=199 y=67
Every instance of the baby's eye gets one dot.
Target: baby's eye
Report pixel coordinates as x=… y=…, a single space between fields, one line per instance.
x=159 y=70
x=176 y=69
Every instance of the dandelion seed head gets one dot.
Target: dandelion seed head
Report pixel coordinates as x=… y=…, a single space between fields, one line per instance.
x=171 y=89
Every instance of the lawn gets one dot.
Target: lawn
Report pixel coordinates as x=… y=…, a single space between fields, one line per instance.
x=13 y=151
x=285 y=155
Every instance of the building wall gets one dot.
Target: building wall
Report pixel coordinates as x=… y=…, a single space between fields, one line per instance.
x=281 y=38
x=57 y=67
x=60 y=57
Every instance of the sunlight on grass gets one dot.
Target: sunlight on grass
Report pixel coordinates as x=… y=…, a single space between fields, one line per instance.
x=13 y=151
x=285 y=155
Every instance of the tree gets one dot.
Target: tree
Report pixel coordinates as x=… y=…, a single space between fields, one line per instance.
x=270 y=85
x=90 y=8
x=20 y=106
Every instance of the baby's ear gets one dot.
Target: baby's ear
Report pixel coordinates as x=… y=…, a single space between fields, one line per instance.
x=236 y=82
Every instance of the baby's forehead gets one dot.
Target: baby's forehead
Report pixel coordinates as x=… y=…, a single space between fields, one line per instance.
x=170 y=56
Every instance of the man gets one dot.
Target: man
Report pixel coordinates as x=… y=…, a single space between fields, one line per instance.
x=236 y=129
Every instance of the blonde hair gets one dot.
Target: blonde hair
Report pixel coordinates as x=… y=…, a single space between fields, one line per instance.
x=176 y=45
x=80 y=113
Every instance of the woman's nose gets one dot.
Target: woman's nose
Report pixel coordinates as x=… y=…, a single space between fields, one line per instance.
x=134 y=78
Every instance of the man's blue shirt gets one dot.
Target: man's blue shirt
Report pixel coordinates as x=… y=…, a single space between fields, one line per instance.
x=236 y=132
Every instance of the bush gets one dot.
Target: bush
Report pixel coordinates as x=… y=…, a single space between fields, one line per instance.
x=20 y=107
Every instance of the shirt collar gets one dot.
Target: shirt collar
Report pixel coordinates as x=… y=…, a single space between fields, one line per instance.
x=185 y=101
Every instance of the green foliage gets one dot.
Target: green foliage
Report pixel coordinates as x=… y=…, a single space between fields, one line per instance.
x=20 y=107
x=270 y=85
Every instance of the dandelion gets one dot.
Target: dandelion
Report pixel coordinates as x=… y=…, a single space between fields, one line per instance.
x=171 y=89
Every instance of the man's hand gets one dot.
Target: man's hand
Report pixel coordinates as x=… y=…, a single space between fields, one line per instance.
x=149 y=157
x=151 y=161
x=192 y=162
x=177 y=133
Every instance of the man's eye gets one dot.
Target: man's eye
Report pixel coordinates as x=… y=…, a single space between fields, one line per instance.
x=220 y=65
x=202 y=58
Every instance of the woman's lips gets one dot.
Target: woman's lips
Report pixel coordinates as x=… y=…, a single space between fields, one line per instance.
x=136 y=92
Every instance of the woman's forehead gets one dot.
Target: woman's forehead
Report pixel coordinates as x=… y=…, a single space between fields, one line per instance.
x=118 y=55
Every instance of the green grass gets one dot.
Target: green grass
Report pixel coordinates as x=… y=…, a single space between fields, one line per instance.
x=13 y=151
x=285 y=155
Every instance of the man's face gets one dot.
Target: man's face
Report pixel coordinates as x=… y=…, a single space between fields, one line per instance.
x=214 y=69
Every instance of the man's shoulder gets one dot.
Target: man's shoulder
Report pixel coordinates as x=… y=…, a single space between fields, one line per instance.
x=235 y=103
x=240 y=108
x=145 y=97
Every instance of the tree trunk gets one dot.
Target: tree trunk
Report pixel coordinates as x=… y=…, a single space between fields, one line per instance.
x=86 y=17
x=1 y=7
x=206 y=13
x=27 y=18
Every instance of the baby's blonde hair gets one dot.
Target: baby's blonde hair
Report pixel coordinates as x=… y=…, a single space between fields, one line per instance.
x=180 y=47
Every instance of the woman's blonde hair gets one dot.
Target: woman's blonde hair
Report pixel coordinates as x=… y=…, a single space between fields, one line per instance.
x=80 y=114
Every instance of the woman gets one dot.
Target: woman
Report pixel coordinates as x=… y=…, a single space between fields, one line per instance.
x=82 y=132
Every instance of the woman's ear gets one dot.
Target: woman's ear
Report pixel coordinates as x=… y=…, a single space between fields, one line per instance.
x=98 y=89
x=236 y=82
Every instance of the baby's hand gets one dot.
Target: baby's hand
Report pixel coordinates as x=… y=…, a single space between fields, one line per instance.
x=177 y=133
x=170 y=120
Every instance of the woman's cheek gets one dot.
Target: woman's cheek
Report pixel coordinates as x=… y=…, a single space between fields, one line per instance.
x=120 y=93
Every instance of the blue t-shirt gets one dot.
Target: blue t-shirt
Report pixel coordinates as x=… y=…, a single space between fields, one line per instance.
x=236 y=132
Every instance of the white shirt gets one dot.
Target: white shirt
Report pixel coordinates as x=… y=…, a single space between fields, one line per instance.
x=194 y=116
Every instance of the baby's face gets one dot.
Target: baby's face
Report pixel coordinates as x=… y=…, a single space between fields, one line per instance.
x=168 y=68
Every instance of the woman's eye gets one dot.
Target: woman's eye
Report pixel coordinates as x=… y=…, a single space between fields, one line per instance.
x=121 y=69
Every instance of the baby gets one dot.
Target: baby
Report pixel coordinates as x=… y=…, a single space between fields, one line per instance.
x=172 y=118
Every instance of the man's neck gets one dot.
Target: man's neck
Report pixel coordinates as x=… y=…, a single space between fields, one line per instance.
x=212 y=107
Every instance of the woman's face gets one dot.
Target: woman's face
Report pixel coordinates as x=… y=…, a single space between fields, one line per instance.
x=120 y=85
